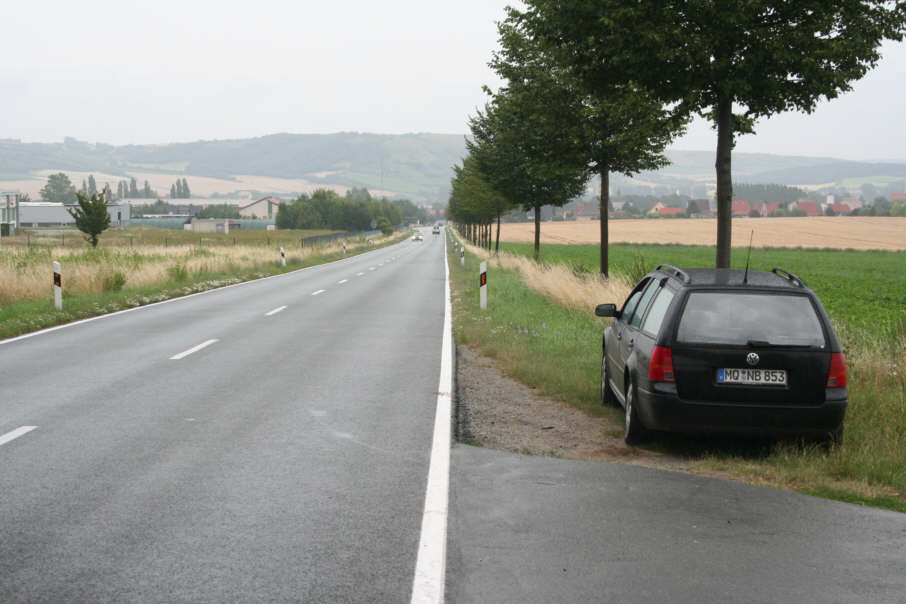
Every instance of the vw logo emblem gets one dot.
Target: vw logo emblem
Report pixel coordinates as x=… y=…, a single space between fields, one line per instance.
x=752 y=358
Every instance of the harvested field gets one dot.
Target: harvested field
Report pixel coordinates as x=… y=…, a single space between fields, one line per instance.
x=853 y=232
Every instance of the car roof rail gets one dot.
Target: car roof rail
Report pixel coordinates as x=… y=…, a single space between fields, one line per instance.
x=675 y=271
x=788 y=275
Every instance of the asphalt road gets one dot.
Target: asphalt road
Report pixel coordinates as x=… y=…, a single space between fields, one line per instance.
x=531 y=529
x=285 y=460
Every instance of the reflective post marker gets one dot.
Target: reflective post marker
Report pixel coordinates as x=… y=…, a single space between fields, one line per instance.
x=462 y=257
x=282 y=256
x=57 y=286
x=483 y=286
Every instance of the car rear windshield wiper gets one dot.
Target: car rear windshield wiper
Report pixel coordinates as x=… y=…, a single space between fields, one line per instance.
x=766 y=344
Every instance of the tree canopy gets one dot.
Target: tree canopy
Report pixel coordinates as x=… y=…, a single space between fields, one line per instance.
x=624 y=128
x=91 y=216
x=730 y=62
x=58 y=189
x=325 y=209
x=527 y=143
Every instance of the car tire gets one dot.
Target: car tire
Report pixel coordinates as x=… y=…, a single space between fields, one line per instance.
x=607 y=397
x=833 y=439
x=634 y=432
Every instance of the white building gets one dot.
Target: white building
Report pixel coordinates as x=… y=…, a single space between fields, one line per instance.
x=46 y=213
x=264 y=209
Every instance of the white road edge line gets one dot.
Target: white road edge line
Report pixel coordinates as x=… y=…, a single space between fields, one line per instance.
x=275 y=311
x=430 y=566
x=320 y=291
x=186 y=353
x=342 y=282
x=360 y=274
x=15 y=434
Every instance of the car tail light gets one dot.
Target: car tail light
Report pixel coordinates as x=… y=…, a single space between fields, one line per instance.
x=661 y=367
x=836 y=377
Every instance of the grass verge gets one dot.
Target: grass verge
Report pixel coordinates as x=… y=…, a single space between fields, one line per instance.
x=179 y=279
x=545 y=344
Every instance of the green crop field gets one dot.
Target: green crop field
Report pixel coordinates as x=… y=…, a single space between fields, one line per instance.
x=863 y=292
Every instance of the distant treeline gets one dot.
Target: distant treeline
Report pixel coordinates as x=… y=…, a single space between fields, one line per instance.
x=357 y=211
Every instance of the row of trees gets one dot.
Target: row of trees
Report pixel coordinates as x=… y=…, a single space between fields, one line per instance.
x=601 y=86
x=130 y=189
x=180 y=189
x=325 y=209
x=59 y=189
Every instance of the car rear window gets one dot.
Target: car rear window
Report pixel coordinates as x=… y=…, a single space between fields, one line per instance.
x=738 y=318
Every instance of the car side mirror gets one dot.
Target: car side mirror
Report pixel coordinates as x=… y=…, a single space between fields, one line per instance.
x=606 y=310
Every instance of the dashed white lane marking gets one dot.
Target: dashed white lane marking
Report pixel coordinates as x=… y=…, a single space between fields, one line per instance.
x=275 y=311
x=371 y=268
x=320 y=291
x=15 y=434
x=360 y=274
x=342 y=282
x=186 y=353
x=431 y=564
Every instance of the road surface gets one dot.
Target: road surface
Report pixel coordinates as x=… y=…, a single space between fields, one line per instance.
x=268 y=441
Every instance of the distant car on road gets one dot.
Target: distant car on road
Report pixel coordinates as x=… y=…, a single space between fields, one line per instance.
x=418 y=237
x=721 y=350
x=436 y=230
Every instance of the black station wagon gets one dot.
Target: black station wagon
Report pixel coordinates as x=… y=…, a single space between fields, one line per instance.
x=724 y=351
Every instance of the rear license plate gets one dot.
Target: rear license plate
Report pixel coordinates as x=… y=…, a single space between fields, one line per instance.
x=754 y=377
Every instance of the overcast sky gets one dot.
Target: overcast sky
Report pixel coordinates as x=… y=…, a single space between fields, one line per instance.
x=183 y=71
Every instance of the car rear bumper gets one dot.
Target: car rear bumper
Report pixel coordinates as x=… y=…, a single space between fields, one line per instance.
x=667 y=412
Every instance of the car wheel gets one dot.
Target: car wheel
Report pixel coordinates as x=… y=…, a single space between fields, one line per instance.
x=833 y=439
x=607 y=397
x=634 y=432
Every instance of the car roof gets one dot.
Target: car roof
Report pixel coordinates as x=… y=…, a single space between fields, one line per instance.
x=733 y=278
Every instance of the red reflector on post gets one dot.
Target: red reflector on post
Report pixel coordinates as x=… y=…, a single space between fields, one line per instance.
x=661 y=367
x=836 y=377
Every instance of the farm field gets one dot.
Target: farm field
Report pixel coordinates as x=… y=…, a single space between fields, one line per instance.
x=863 y=291
x=844 y=232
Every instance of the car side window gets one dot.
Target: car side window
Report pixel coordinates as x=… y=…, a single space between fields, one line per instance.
x=632 y=301
x=645 y=300
x=658 y=310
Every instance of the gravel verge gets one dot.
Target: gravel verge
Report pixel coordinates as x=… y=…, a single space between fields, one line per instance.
x=497 y=412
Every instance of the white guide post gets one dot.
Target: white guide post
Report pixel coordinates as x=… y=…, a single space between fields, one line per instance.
x=483 y=285
x=57 y=286
x=462 y=256
x=282 y=256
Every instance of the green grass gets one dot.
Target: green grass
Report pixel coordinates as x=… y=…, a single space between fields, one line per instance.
x=564 y=362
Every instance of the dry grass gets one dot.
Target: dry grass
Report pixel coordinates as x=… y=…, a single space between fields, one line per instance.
x=557 y=283
x=25 y=272
x=853 y=232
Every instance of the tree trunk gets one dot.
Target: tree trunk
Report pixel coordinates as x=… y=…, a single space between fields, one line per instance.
x=724 y=180
x=497 y=244
x=537 y=233
x=605 y=203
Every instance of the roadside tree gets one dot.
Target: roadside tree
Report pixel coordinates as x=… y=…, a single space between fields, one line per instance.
x=90 y=215
x=624 y=129
x=732 y=63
